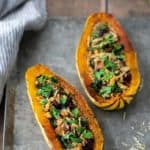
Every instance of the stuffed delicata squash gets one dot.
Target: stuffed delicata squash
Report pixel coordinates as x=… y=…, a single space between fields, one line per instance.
x=63 y=115
x=106 y=63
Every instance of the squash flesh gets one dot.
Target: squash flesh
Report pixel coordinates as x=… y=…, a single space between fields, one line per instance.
x=83 y=67
x=45 y=126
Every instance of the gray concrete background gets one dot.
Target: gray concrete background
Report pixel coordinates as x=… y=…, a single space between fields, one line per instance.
x=55 y=47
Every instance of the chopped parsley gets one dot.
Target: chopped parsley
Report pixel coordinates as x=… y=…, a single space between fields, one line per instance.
x=46 y=90
x=87 y=134
x=54 y=80
x=55 y=112
x=107 y=90
x=109 y=64
x=75 y=112
x=103 y=74
x=63 y=99
x=43 y=101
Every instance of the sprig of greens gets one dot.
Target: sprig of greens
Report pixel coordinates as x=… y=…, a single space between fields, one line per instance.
x=63 y=99
x=46 y=90
x=55 y=112
x=102 y=74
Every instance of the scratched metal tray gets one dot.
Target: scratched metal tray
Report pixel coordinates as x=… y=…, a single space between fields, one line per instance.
x=55 y=46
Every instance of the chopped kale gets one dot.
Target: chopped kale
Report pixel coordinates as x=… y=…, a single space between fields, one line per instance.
x=101 y=29
x=87 y=134
x=105 y=91
x=75 y=112
x=71 y=136
x=71 y=121
x=80 y=130
x=63 y=99
x=94 y=34
x=116 y=88
x=75 y=139
x=42 y=79
x=54 y=79
x=107 y=41
x=118 y=48
x=103 y=26
x=53 y=122
x=96 y=85
x=65 y=142
x=109 y=38
x=103 y=75
x=108 y=76
x=55 y=112
x=43 y=101
x=109 y=64
x=121 y=57
x=46 y=90
x=99 y=74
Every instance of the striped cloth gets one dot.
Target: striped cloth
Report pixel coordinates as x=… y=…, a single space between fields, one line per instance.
x=16 y=16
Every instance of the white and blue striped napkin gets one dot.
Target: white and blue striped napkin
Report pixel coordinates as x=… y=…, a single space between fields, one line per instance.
x=16 y=16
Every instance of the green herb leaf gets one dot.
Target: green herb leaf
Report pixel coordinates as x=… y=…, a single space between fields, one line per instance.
x=109 y=38
x=71 y=136
x=94 y=34
x=71 y=121
x=75 y=139
x=53 y=122
x=55 y=112
x=87 y=134
x=66 y=143
x=108 y=76
x=96 y=85
x=99 y=74
x=45 y=90
x=109 y=64
x=63 y=99
x=42 y=79
x=75 y=112
x=116 y=88
x=54 y=79
x=67 y=135
x=106 y=91
x=121 y=56
x=103 y=26
x=43 y=101
x=103 y=75
x=117 y=49
x=80 y=130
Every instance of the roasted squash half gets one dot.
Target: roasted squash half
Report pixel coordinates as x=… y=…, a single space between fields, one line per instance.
x=107 y=63
x=63 y=115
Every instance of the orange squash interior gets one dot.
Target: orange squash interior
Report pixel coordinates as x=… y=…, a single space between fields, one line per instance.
x=83 y=67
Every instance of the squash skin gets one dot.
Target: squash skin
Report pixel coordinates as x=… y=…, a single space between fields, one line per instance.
x=46 y=128
x=84 y=71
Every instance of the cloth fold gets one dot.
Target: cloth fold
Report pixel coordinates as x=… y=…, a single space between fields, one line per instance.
x=17 y=16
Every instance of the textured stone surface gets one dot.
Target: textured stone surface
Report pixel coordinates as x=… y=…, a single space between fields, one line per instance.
x=55 y=47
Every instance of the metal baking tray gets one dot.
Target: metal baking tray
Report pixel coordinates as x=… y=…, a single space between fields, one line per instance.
x=55 y=46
